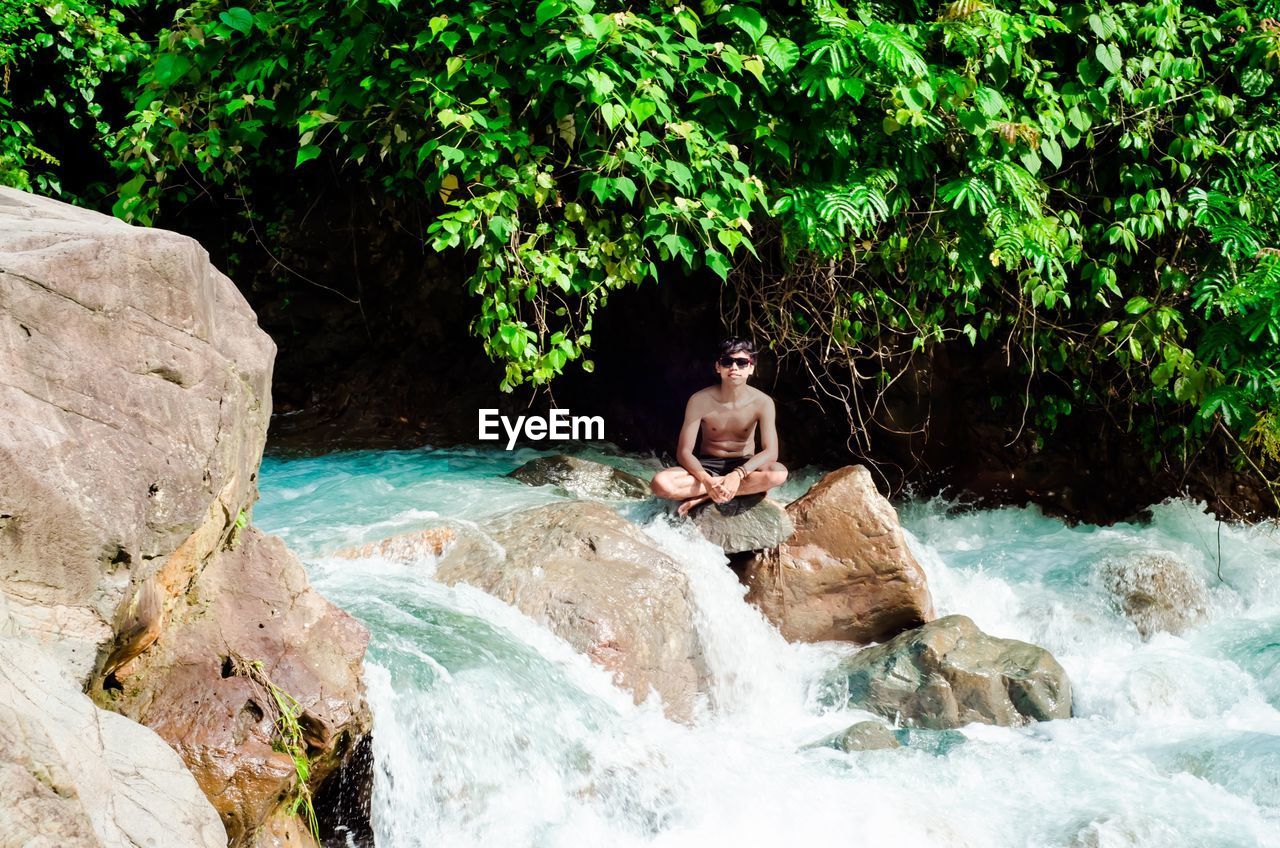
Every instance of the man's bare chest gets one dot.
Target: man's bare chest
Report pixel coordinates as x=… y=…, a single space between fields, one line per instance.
x=729 y=423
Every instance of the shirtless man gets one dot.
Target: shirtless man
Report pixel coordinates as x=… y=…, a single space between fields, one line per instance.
x=727 y=416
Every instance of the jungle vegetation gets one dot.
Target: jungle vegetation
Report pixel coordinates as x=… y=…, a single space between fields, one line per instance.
x=1089 y=187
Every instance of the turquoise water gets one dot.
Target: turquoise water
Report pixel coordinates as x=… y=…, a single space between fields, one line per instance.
x=491 y=731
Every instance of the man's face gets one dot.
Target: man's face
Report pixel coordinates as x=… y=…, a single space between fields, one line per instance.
x=735 y=368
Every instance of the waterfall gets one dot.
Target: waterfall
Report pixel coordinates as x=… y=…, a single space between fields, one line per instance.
x=490 y=730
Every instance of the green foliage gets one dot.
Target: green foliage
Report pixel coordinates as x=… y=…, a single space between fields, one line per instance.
x=1091 y=186
x=53 y=59
x=577 y=147
x=285 y=711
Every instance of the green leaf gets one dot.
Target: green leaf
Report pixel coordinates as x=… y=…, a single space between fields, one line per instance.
x=627 y=186
x=547 y=10
x=718 y=263
x=1079 y=119
x=748 y=20
x=307 y=153
x=1255 y=81
x=853 y=87
x=680 y=174
x=1052 y=153
x=989 y=101
x=170 y=68
x=238 y=18
x=1109 y=56
x=782 y=52
x=132 y=187
x=643 y=109
x=579 y=48
x=613 y=114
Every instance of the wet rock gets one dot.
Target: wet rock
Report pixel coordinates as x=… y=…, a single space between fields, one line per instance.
x=949 y=673
x=75 y=776
x=134 y=401
x=582 y=478
x=761 y=523
x=1156 y=591
x=597 y=581
x=250 y=604
x=863 y=736
x=407 y=548
x=846 y=573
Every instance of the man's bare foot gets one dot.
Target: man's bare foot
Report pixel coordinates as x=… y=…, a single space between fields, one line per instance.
x=685 y=506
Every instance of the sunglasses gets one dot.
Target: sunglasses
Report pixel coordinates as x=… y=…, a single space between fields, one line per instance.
x=729 y=361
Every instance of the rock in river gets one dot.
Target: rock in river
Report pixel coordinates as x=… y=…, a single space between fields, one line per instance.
x=949 y=673
x=759 y=524
x=846 y=573
x=135 y=391
x=581 y=477
x=597 y=581
x=1156 y=591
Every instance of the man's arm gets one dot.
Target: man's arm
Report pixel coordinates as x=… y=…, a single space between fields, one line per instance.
x=768 y=431
x=688 y=438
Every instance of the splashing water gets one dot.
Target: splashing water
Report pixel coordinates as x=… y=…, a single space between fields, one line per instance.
x=490 y=730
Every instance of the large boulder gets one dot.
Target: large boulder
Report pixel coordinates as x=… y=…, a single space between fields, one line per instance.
x=863 y=736
x=1156 y=591
x=597 y=581
x=406 y=548
x=135 y=393
x=581 y=477
x=250 y=605
x=75 y=776
x=846 y=573
x=134 y=402
x=760 y=523
x=949 y=673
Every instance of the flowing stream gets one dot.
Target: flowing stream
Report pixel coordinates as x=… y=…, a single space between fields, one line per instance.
x=491 y=731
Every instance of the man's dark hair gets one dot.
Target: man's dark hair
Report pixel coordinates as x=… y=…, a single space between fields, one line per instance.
x=734 y=345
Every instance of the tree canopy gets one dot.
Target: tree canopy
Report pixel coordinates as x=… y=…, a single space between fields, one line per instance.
x=1090 y=187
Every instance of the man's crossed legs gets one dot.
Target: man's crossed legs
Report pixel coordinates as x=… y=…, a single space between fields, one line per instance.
x=678 y=484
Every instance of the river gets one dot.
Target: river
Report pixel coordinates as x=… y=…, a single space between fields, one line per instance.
x=491 y=731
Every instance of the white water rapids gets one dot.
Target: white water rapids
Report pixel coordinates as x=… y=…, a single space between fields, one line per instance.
x=491 y=731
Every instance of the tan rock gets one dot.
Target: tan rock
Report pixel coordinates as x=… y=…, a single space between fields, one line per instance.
x=846 y=573
x=1157 y=592
x=134 y=398
x=581 y=477
x=759 y=525
x=407 y=548
x=949 y=673
x=134 y=401
x=251 y=603
x=594 y=579
x=285 y=832
x=75 y=776
x=863 y=736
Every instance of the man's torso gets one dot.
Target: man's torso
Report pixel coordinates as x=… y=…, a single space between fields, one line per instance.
x=728 y=429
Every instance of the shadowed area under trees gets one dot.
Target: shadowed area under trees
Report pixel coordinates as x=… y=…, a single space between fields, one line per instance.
x=978 y=236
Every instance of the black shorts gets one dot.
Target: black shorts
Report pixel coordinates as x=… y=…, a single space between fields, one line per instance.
x=718 y=466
